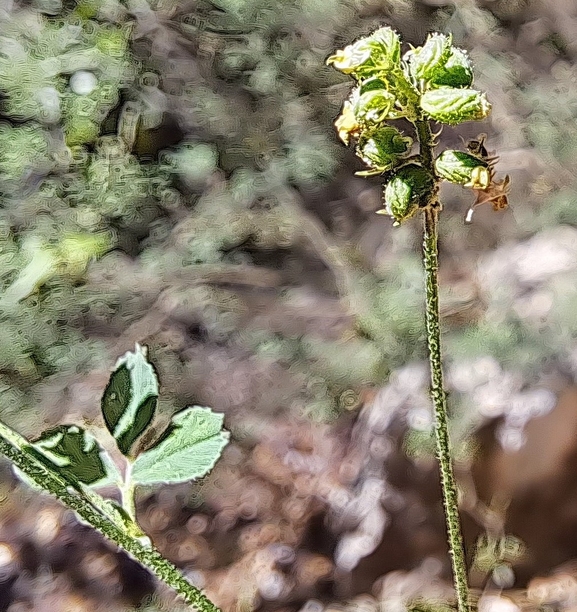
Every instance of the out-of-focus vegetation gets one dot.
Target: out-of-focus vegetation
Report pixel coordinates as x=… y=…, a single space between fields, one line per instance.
x=169 y=174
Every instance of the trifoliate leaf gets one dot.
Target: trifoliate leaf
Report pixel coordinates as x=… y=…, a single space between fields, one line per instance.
x=463 y=169
x=457 y=72
x=452 y=106
x=129 y=400
x=187 y=450
x=407 y=191
x=74 y=453
x=383 y=147
x=427 y=61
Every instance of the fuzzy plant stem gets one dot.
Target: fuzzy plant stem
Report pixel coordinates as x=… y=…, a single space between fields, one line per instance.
x=438 y=394
x=86 y=505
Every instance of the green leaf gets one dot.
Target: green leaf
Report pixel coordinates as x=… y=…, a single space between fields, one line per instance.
x=452 y=106
x=22 y=149
x=130 y=398
x=187 y=450
x=387 y=47
x=372 y=84
x=353 y=59
x=194 y=162
x=81 y=130
x=76 y=455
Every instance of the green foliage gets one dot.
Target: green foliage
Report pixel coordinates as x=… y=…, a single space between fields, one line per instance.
x=255 y=132
x=457 y=71
x=371 y=56
x=411 y=90
x=21 y=149
x=65 y=459
x=190 y=445
x=67 y=196
x=40 y=57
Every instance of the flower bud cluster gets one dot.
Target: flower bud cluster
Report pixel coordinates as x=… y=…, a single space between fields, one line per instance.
x=428 y=83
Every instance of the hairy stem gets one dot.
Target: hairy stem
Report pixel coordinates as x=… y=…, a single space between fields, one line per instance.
x=87 y=506
x=431 y=264
x=127 y=492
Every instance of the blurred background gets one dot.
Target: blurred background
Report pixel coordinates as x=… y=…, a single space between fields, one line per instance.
x=170 y=175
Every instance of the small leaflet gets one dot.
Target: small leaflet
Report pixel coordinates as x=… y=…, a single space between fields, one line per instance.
x=188 y=449
x=76 y=455
x=130 y=398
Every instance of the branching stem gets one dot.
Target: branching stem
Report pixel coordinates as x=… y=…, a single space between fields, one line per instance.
x=87 y=506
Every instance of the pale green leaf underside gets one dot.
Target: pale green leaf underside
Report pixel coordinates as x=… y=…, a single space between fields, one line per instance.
x=189 y=449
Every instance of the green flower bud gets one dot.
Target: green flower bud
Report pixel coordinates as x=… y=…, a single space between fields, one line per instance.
x=373 y=106
x=367 y=106
x=381 y=148
x=463 y=169
x=457 y=72
x=453 y=106
x=407 y=191
x=387 y=45
x=427 y=61
x=367 y=57
x=352 y=59
x=75 y=251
